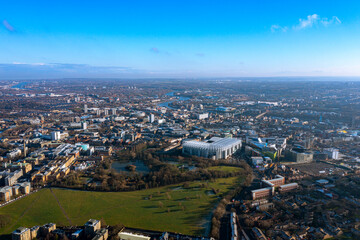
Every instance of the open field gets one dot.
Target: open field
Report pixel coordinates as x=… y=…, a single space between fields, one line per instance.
x=172 y=208
x=226 y=168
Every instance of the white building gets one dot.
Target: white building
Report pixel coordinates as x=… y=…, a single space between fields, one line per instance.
x=161 y=121
x=132 y=236
x=56 y=135
x=332 y=153
x=121 y=118
x=151 y=118
x=13 y=153
x=215 y=148
x=203 y=116
x=12 y=177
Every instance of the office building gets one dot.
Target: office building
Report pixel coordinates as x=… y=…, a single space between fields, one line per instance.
x=332 y=153
x=56 y=135
x=151 y=118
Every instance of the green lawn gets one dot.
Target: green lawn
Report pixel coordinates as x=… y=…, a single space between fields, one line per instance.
x=226 y=168
x=170 y=208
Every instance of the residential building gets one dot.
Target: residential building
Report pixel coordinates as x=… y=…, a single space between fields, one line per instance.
x=21 y=233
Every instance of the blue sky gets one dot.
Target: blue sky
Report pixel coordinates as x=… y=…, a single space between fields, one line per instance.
x=134 y=38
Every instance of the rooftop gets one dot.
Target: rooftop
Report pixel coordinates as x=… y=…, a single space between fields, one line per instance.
x=20 y=230
x=214 y=142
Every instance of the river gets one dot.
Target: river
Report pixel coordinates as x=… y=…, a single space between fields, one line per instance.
x=21 y=85
x=171 y=94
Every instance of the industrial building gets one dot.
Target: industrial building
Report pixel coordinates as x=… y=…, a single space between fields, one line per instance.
x=214 y=148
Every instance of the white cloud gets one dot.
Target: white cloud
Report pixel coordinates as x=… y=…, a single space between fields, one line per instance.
x=333 y=20
x=33 y=64
x=275 y=28
x=315 y=19
x=308 y=22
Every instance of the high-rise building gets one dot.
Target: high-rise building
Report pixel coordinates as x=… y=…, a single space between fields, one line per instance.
x=332 y=153
x=113 y=111
x=56 y=135
x=84 y=125
x=85 y=108
x=25 y=148
x=151 y=118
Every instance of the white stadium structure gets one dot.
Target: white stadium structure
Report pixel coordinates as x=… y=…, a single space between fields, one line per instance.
x=215 y=148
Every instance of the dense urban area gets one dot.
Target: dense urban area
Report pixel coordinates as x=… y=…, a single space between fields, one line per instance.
x=180 y=159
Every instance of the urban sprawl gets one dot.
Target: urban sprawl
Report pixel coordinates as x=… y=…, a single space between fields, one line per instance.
x=267 y=158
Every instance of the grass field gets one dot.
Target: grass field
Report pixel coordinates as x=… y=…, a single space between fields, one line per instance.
x=226 y=168
x=170 y=208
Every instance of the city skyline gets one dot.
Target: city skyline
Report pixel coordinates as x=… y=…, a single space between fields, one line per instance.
x=179 y=39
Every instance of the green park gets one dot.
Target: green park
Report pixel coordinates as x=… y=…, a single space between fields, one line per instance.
x=184 y=208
